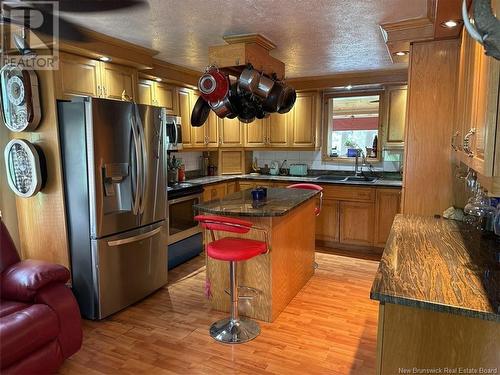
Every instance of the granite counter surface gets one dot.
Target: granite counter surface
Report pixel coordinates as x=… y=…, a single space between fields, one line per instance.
x=442 y=265
x=279 y=202
x=215 y=179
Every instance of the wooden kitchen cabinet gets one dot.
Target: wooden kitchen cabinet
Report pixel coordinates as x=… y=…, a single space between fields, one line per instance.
x=78 y=76
x=357 y=223
x=146 y=92
x=231 y=187
x=327 y=223
x=231 y=133
x=211 y=192
x=474 y=139
x=81 y=76
x=394 y=116
x=158 y=94
x=279 y=130
x=118 y=81
x=256 y=133
x=304 y=120
x=387 y=205
x=185 y=108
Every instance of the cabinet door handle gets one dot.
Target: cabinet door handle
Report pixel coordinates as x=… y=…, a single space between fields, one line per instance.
x=467 y=143
x=99 y=90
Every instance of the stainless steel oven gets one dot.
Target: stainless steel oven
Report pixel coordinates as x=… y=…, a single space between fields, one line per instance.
x=181 y=217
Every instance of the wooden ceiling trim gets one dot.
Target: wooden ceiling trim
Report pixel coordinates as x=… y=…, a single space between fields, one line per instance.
x=399 y=35
x=120 y=51
x=172 y=73
x=353 y=78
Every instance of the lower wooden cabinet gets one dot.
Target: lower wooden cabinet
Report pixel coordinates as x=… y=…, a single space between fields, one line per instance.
x=231 y=187
x=386 y=207
x=357 y=216
x=327 y=223
x=211 y=192
x=356 y=223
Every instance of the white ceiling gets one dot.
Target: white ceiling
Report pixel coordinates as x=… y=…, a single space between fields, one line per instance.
x=314 y=37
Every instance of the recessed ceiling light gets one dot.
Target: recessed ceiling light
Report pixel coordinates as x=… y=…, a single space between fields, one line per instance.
x=158 y=79
x=450 y=24
x=105 y=58
x=401 y=53
x=348 y=87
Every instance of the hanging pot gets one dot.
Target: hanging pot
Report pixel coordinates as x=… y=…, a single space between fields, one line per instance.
x=289 y=98
x=249 y=80
x=274 y=100
x=264 y=87
x=213 y=85
x=200 y=112
x=222 y=108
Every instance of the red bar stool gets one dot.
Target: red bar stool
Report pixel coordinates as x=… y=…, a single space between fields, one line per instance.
x=233 y=330
x=310 y=187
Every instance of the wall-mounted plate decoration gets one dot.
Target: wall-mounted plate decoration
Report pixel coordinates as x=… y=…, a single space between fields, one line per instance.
x=20 y=98
x=24 y=172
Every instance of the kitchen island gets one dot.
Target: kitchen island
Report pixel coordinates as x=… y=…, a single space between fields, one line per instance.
x=272 y=279
x=438 y=284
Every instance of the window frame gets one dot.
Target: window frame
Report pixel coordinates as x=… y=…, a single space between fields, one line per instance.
x=327 y=95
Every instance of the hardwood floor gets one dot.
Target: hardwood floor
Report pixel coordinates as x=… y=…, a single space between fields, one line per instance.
x=330 y=327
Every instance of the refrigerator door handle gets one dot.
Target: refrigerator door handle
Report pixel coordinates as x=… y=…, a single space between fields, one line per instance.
x=144 y=158
x=176 y=133
x=137 y=190
x=137 y=238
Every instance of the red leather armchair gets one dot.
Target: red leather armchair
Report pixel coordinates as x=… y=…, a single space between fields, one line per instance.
x=40 y=321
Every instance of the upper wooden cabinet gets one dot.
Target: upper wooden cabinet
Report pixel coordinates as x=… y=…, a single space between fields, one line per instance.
x=304 y=120
x=256 y=133
x=81 y=76
x=158 y=94
x=394 y=116
x=279 y=130
x=78 y=76
x=231 y=133
x=196 y=137
x=186 y=103
x=477 y=106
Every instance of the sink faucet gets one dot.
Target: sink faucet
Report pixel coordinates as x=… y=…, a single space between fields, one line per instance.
x=356 y=162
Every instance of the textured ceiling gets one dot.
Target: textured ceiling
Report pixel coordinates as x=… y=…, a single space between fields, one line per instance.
x=315 y=37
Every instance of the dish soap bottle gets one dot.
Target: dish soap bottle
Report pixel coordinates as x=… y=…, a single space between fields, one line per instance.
x=374 y=146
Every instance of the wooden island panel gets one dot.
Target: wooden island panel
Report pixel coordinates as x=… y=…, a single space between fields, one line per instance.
x=278 y=275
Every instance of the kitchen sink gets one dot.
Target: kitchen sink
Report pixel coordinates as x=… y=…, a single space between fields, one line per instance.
x=331 y=178
x=344 y=178
x=361 y=178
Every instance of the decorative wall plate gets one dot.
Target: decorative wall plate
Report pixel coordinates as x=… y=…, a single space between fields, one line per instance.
x=22 y=163
x=20 y=98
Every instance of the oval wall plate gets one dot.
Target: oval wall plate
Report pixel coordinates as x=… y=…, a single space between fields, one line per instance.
x=19 y=98
x=22 y=164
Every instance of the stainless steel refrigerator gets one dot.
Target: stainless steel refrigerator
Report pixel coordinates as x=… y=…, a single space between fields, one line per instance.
x=114 y=173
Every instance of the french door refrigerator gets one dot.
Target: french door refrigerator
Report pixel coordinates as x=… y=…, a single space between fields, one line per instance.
x=115 y=186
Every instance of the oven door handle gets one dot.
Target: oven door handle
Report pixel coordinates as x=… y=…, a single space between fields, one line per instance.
x=183 y=199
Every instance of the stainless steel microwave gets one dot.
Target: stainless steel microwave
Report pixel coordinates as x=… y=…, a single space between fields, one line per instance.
x=173 y=131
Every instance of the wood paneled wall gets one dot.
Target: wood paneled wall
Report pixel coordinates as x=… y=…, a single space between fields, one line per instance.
x=41 y=219
x=7 y=197
x=428 y=175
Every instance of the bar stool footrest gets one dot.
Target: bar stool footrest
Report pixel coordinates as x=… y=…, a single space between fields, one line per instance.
x=235 y=332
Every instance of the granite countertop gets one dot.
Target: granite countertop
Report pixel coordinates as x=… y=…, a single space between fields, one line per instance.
x=279 y=202
x=382 y=182
x=442 y=265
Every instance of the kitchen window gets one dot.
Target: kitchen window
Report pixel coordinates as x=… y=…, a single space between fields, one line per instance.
x=352 y=126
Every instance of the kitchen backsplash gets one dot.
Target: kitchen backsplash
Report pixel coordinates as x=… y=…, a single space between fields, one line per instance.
x=191 y=159
x=392 y=160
